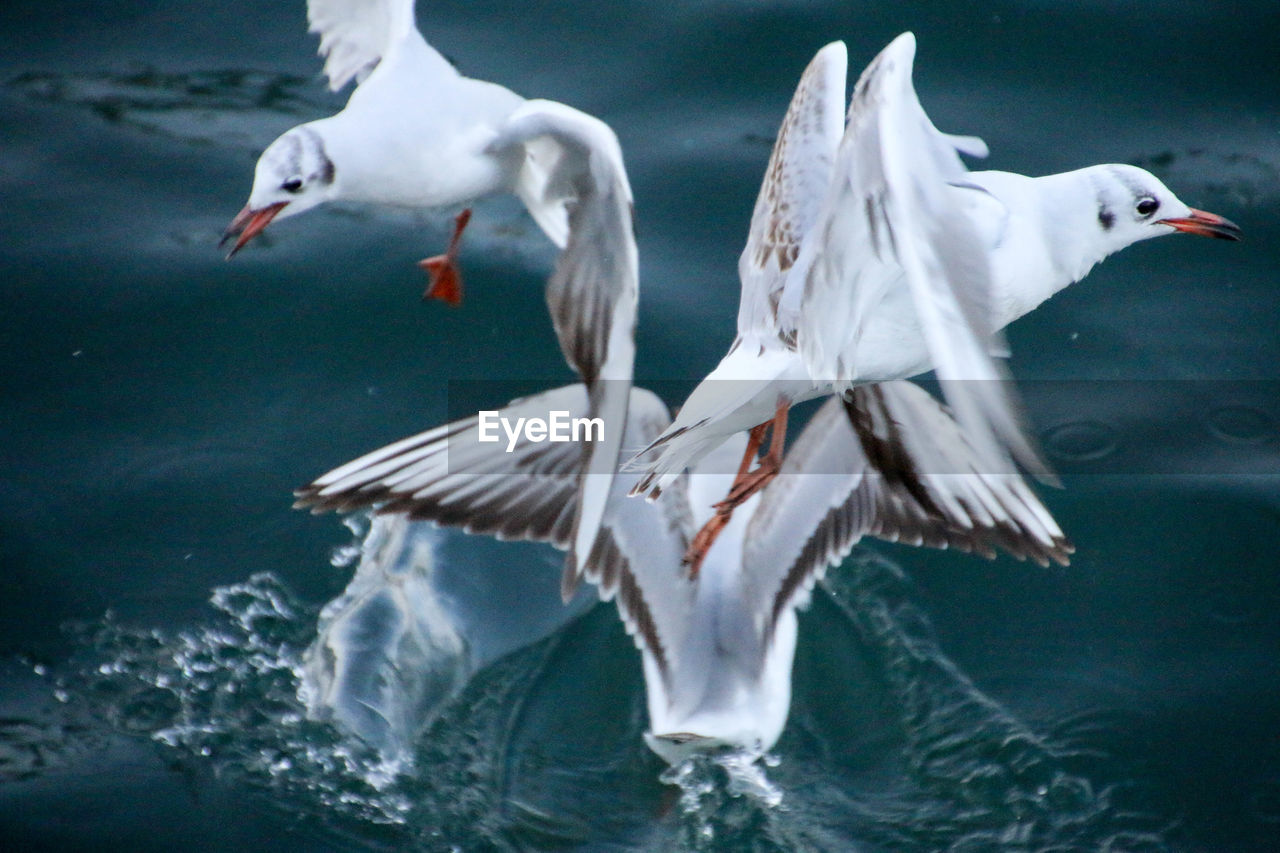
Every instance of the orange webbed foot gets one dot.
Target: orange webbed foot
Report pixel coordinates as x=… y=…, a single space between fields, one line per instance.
x=446 y=280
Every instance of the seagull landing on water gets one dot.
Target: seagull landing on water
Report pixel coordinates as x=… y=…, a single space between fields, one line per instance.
x=717 y=649
x=874 y=254
x=417 y=133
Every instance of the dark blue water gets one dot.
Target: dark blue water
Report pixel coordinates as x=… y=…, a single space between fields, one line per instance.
x=158 y=593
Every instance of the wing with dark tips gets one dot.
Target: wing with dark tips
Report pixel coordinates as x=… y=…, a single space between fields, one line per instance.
x=888 y=462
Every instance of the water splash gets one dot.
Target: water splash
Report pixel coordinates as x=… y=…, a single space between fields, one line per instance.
x=226 y=695
x=724 y=796
x=737 y=772
x=542 y=748
x=344 y=556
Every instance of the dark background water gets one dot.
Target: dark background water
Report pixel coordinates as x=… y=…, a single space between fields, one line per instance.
x=160 y=404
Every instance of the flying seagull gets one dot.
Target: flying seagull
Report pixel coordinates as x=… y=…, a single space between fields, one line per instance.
x=874 y=254
x=417 y=133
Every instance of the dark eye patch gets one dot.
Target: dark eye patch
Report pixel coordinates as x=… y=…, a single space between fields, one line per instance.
x=1148 y=206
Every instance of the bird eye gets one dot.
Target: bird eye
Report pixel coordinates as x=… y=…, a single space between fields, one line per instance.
x=292 y=185
x=1147 y=206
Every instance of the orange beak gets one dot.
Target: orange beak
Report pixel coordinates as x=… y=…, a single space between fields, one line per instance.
x=249 y=224
x=1206 y=225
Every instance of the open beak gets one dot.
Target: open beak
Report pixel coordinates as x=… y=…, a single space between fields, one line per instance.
x=249 y=224
x=1206 y=225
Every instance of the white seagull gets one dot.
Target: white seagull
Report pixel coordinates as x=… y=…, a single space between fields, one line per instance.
x=874 y=254
x=417 y=133
x=717 y=648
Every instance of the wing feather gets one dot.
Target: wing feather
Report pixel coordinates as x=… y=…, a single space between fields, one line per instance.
x=592 y=293
x=356 y=34
x=447 y=476
x=795 y=183
x=891 y=219
x=890 y=462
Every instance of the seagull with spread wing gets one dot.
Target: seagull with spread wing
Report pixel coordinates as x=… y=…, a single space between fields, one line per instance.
x=874 y=254
x=717 y=648
x=417 y=133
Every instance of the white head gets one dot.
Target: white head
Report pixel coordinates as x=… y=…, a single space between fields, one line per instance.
x=1132 y=205
x=294 y=174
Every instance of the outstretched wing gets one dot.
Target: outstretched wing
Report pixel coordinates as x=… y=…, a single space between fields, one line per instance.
x=795 y=183
x=532 y=493
x=575 y=163
x=592 y=293
x=450 y=476
x=892 y=218
x=890 y=462
x=355 y=34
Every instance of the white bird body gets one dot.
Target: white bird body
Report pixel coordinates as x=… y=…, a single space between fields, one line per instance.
x=874 y=254
x=717 y=650
x=417 y=133
x=731 y=684
x=423 y=139
x=743 y=389
x=437 y=143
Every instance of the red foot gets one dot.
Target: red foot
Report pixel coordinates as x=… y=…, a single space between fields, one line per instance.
x=446 y=281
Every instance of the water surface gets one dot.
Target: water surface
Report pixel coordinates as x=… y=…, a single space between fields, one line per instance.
x=159 y=594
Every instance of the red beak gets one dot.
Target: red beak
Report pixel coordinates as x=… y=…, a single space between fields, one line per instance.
x=1206 y=225
x=249 y=224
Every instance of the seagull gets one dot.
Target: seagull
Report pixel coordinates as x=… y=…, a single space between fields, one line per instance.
x=716 y=648
x=417 y=133
x=873 y=254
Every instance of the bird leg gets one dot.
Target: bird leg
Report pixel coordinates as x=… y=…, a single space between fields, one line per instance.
x=745 y=484
x=705 y=537
x=748 y=483
x=446 y=280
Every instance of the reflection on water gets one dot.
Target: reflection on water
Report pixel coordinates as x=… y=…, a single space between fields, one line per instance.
x=1241 y=179
x=224 y=108
x=1015 y=787
x=387 y=651
x=543 y=747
